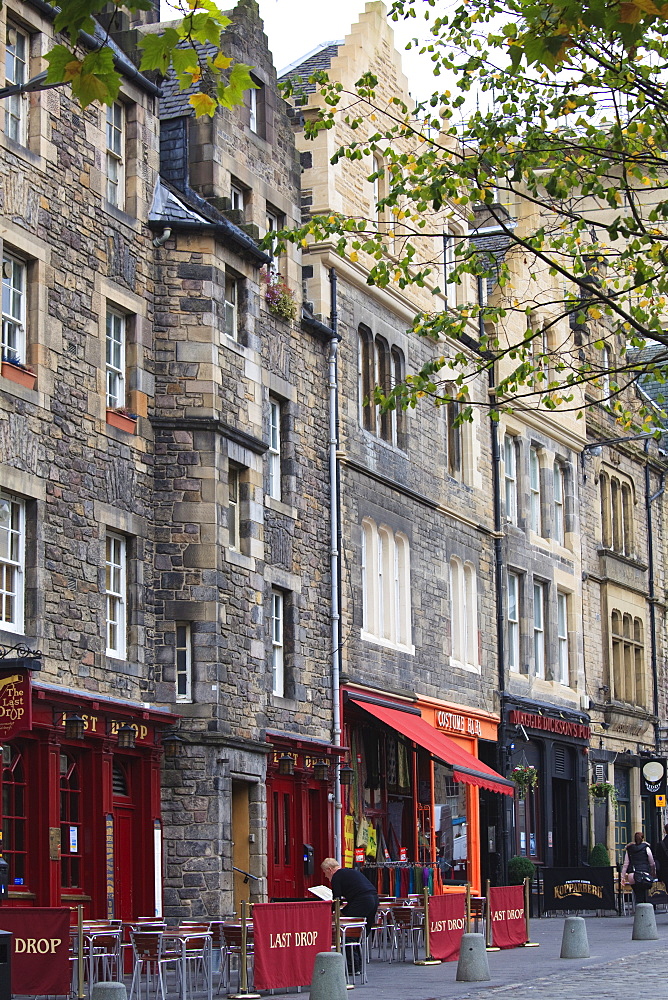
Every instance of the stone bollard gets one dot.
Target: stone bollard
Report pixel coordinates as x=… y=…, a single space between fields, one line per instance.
x=472 y=966
x=574 y=943
x=644 y=923
x=329 y=977
x=109 y=991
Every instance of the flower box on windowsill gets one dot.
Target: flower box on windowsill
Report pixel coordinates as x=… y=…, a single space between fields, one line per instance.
x=123 y=420
x=18 y=373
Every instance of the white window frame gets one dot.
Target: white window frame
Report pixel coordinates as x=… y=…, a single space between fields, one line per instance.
x=606 y=355
x=464 y=614
x=535 y=491
x=116 y=594
x=513 y=620
x=231 y=307
x=233 y=507
x=386 y=587
x=237 y=197
x=277 y=644
x=252 y=110
x=539 y=629
x=116 y=337
x=183 y=659
x=275 y=447
x=12 y=563
x=14 y=307
x=563 y=662
x=17 y=71
x=115 y=154
x=449 y=264
x=558 y=479
x=510 y=477
x=274 y=222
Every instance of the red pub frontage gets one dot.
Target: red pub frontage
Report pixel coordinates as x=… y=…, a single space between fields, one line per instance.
x=81 y=817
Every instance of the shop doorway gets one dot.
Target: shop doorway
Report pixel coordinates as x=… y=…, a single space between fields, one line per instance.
x=283 y=856
x=123 y=846
x=240 y=841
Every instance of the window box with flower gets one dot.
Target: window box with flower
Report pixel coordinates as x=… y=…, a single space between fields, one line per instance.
x=122 y=419
x=277 y=295
x=17 y=372
x=525 y=777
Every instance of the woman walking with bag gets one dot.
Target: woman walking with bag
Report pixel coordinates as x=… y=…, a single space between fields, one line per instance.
x=639 y=864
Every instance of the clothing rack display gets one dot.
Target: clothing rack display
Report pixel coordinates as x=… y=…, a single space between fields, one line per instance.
x=404 y=878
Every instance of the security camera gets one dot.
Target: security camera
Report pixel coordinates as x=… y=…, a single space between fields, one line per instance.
x=523 y=731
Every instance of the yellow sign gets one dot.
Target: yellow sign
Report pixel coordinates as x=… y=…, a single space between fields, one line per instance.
x=348 y=841
x=660 y=801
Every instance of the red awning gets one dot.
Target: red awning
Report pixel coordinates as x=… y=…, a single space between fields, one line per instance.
x=466 y=767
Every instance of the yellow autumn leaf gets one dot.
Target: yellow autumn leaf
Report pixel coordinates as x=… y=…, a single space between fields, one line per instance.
x=203 y=105
x=72 y=70
x=595 y=313
x=353 y=256
x=629 y=13
x=647 y=6
x=222 y=62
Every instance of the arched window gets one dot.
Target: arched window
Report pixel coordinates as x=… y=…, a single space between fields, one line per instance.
x=453 y=432
x=386 y=586
x=14 y=815
x=617 y=524
x=628 y=659
x=627 y=519
x=606 y=520
x=71 y=848
x=366 y=379
x=398 y=415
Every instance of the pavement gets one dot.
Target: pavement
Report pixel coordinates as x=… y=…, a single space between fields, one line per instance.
x=617 y=969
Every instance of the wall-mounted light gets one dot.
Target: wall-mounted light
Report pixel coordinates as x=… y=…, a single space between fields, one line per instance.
x=346 y=774
x=172 y=744
x=127 y=736
x=286 y=765
x=321 y=770
x=74 y=726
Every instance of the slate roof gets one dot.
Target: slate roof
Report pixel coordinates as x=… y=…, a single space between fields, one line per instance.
x=319 y=58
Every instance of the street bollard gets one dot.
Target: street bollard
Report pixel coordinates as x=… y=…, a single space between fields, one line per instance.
x=329 y=977
x=109 y=991
x=644 y=923
x=472 y=966
x=574 y=943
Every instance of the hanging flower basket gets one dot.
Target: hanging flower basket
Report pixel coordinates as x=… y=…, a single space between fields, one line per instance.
x=525 y=777
x=603 y=790
x=279 y=298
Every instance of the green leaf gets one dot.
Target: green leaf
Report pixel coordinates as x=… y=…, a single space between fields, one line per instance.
x=240 y=80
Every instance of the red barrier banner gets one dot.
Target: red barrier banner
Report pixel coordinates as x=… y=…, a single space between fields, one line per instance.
x=447 y=923
x=40 y=949
x=287 y=937
x=506 y=913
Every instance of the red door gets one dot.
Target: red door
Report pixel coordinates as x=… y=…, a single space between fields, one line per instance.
x=284 y=858
x=124 y=858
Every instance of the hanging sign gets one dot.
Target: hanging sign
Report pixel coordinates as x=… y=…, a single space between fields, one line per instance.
x=287 y=937
x=506 y=913
x=15 y=704
x=653 y=777
x=447 y=923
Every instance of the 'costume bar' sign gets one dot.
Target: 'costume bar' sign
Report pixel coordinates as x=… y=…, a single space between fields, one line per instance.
x=287 y=938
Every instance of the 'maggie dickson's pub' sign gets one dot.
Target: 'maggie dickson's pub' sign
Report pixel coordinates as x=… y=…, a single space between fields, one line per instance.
x=578 y=888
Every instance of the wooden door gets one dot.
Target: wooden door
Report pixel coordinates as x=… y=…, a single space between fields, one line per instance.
x=284 y=858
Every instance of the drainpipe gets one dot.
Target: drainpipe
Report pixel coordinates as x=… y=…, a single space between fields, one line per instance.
x=504 y=832
x=649 y=500
x=334 y=561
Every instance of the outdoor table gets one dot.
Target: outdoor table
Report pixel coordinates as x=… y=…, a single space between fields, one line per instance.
x=180 y=938
x=101 y=943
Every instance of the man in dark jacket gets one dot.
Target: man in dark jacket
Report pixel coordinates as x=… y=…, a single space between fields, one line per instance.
x=350 y=884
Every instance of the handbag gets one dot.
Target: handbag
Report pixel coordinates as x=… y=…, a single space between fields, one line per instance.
x=640 y=878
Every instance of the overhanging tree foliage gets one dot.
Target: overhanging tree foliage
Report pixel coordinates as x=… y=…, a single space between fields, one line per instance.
x=192 y=49
x=568 y=160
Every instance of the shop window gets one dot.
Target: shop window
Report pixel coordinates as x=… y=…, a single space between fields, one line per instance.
x=510 y=477
x=277 y=643
x=17 y=71
x=539 y=629
x=627 y=675
x=513 y=620
x=14 y=815
x=464 y=614
x=386 y=596
x=12 y=562
x=617 y=503
x=184 y=663
x=116 y=594
x=71 y=814
x=527 y=822
x=535 y=491
x=14 y=308
x=115 y=155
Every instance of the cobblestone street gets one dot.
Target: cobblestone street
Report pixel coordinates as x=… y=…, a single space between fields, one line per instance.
x=617 y=969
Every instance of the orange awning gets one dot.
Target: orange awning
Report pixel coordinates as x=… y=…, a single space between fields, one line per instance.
x=465 y=766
